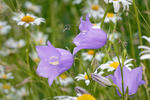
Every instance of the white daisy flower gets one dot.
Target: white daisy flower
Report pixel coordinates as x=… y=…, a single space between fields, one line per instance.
x=22 y=92
x=34 y=57
x=32 y=7
x=6 y=51
x=81 y=97
x=4 y=75
x=3 y=6
x=117 y=4
x=4 y=28
x=27 y=19
x=94 y=10
x=11 y=43
x=145 y=54
x=112 y=65
x=113 y=36
x=96 y=26
x=40 y=38
x=6 y=88
x=77 y=1
x=84 y=77
x=89 y=55
x=111 y=17
x=64 y=80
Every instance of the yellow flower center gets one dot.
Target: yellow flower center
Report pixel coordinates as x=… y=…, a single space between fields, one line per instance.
x=4 y=76
x=91 y=52
x=86 y=97
x=6 y=86
x=63 y=76
x=86 y=77
x=36 y=60
x=27 y=19
x=114 y=65
x=1 y=26
x=110 y=15
x=95 y=7
x=41 y=41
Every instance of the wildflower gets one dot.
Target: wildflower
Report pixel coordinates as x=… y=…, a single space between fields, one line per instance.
x=132 y=79
x=84 y=77
x=96 y=26
x=82 y=97
x=54 y=61
x=27 y=19
x=89 y=55
x=77 y=1
x=89 y=38
x=3 y=7
x=3 y=75
x=94 y=10
x=4 y=28
x=22 y=92
x=6 y=88
x=11 y=43
x=34 y=57
x=116 y=4
x=40 y=38
x=114 y=64
x=80 y=91
x=64 y=80
x=146 y=53
x=113 y=36
x=5 y=51
x=111 y=17
x=101 y=80
x=32 y=7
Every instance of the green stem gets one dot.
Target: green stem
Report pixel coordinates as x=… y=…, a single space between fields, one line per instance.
x=138 y=22
x=104 y=16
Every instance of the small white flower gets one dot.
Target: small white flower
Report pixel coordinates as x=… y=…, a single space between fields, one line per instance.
x=22 y=92
x=96 y=26
x=40 y=38
x=145 y=54
x=89 y=55
x=4 y=75
x=80 y=97
x=77 y=1
x=27 y=19
x=111 y=17
x=11 y=43
x=4 y=28
x=64 y=80
x=117 y=4
x=84 y=77
x=35 y=57
x=32 y=7
x=94 y=10
x=6 y=88
x=113 y=36
x=112 y=65
x=6 y=51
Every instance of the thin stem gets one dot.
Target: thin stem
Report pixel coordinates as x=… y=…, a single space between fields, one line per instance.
x=138 y=22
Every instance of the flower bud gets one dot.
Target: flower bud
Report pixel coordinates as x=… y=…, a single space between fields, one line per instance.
x=80 y=91
x=101 y=80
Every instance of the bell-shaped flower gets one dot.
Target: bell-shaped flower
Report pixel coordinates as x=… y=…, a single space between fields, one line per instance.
x=132 y=79
x=89 y=37
x=54 y=61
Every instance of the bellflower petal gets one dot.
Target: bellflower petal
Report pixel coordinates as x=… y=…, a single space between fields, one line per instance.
x=132 y=79
x=89 y=38
x=54 y=61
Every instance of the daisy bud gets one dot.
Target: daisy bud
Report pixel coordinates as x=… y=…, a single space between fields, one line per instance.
x=101 y=80
x=80 y=91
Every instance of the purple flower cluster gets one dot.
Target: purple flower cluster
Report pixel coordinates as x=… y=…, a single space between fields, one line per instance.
x=55 y=61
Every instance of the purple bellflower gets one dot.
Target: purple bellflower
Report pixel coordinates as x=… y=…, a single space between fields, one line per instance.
x=54 y=61
x=132 y=79
x=89 y=37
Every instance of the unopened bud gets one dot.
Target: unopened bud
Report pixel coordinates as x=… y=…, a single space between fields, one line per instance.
x=101 y=80
x=80 y=91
